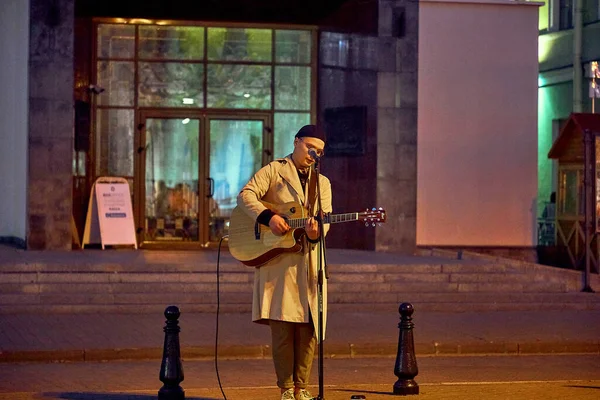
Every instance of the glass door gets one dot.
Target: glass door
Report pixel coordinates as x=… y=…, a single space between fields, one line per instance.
x=236 y=153
x=171 y=180
x=192 y=169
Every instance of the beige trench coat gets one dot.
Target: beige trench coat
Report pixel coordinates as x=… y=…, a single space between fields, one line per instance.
x=286 y=287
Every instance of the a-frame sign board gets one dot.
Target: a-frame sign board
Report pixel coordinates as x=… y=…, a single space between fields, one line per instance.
x=109 y=218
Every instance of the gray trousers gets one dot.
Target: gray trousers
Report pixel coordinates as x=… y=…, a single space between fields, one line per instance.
x=294 y=347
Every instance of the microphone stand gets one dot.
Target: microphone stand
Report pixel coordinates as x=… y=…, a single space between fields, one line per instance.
x=323 y=271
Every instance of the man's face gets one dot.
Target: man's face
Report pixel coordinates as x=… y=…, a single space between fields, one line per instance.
x=301 y=147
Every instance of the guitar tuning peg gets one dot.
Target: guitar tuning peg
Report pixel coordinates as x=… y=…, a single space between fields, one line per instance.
x=366 y=224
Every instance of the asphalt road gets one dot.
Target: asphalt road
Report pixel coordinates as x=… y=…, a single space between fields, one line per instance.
x=458 y=377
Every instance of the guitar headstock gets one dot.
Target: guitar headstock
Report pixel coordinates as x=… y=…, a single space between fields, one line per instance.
x=372 y=217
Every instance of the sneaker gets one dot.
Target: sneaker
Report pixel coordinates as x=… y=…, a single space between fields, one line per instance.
x=288 y=395
x=304 y=394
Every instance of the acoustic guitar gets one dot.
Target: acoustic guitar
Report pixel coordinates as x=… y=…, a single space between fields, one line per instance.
x=254 y=244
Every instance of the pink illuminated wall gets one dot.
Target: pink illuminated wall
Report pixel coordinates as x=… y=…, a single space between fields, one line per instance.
x=477 y=123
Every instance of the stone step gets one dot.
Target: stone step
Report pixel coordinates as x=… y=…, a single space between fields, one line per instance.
x=86 y=267
x=481 y=268
x=483 y=297
x=437 y=287
x=448 y=298
x=73 y=267
x=74 y=285
x=462 y=277
x=380 y=277
x=402 y=296
x=243 y=283
x=438 y=302
x=124 y=298
x=150 y=288
x=361 y=277
x=468 y=306
x=102 y=277
x=185 y=277
x=356 y=275
x=242 y=294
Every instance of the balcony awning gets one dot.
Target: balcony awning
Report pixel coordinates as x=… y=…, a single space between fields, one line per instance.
x=570 y=140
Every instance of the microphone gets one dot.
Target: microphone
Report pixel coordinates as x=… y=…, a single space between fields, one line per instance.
x=313 y=154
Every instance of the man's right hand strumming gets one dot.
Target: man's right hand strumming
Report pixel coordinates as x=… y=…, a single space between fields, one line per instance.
x=278 y=225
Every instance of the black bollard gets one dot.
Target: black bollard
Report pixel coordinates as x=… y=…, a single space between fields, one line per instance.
x=171 y=369
x=406 y=363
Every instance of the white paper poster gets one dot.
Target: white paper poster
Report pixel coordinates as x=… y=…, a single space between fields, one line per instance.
x=110 y=214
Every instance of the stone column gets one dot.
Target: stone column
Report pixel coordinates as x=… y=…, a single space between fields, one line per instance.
x=397 y=123
x=50 y=124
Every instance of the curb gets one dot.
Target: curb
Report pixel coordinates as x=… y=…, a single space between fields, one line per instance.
x=349 y=350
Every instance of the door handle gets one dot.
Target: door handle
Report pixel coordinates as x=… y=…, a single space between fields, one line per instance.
x=211 y=187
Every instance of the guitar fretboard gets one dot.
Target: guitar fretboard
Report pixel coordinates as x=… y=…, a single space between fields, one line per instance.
x=328 y=219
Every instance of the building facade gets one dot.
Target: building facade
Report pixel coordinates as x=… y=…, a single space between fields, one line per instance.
x=185 y=103
x=477 y=142
x=569 y=43
x=124 y=97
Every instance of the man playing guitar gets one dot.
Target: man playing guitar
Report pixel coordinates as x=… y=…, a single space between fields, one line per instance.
x=285 y=287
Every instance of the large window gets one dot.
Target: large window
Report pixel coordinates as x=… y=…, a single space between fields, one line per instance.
x=560 y=14
x=565 y=17
x=570 y=201
x=192 y=66
x=591 y=11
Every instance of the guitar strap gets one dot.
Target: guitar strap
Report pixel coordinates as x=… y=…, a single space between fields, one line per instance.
x=312 y=193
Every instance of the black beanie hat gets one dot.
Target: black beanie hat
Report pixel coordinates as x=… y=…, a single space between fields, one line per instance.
x=311 y=131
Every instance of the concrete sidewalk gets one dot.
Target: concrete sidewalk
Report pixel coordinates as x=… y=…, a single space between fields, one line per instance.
x=118 y=336
x=91 y=337
x=577 y=389
x=457 y=378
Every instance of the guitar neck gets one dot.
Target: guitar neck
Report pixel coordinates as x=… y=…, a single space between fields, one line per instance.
x=328 y=219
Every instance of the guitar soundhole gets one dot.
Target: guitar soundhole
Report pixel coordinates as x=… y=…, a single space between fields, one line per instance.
x=293 y=210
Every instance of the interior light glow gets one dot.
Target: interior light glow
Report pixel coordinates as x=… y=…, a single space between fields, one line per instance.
x=185 y=121
x=187 y=100
x=246 y=95
x=140 y=21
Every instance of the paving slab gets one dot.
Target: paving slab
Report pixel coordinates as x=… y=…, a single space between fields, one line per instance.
x=77 y=337
x=495 y=377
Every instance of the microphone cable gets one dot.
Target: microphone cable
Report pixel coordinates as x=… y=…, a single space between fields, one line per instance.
x=217 y=321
